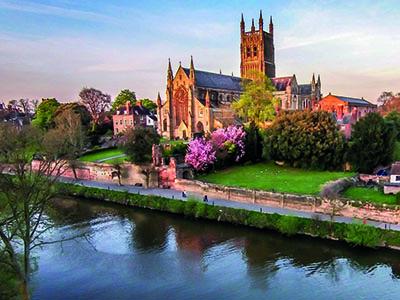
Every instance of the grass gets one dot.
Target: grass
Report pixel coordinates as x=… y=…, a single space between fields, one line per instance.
x=102 y=154
x=369 y=195
x=271 y=177
x=118 y=160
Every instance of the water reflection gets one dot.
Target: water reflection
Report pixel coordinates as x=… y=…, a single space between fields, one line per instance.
x=167 y=255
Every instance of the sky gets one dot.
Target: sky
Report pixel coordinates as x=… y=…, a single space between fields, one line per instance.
x=54 y=48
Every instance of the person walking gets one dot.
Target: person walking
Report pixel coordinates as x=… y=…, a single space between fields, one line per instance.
x=205 y=199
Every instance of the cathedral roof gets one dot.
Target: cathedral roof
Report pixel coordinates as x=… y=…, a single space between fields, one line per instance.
x=281 y=83
x=305 y=89
x=216 y=81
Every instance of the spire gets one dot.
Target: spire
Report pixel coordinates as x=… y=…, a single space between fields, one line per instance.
x=192 y=72
x=313 y=79
x=158 y=99
x=169 y=72
x=319 y=80
x=261 y=21
x=271 y=26
x=253 y=28
x=242 y=25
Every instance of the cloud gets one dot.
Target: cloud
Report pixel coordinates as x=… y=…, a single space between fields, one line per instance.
x=43 y=9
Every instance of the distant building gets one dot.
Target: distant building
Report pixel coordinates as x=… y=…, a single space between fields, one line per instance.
x=346 y=110
x=393 y=187
x=12 y=115
x=129 y=116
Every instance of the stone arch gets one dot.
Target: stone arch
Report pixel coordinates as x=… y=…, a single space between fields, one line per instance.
x=199 y=127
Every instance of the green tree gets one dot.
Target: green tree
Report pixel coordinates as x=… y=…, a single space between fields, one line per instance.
x=75 y=108
x=306 y=139
x=123 y=97
x=45 y=113
x=257 y=103
x=394 y=118
x=372 y=143
x=150 y=105
x=253 y=143
x=138 y=144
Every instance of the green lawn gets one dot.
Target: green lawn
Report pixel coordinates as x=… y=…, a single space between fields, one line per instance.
x=118 y=160
x=369 y=195
x=99 y=155
x=269 y=176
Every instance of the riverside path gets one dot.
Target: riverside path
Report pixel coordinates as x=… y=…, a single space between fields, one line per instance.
x=176 y=194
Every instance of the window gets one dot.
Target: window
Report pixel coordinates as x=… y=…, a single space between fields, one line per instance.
x=397 y=178
x=255 y=51
x=248 y=52
x=120 y=122
x=200 y=113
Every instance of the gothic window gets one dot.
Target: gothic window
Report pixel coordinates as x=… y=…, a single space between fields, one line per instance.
x=248 y=52
x=165 y=125
x=200 y=127
x=200 y=112
x=181 y=101
x=255 y=51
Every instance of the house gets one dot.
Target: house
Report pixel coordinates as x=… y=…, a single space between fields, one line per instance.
x=393 y=186
x=132 y=116
x=346 y=110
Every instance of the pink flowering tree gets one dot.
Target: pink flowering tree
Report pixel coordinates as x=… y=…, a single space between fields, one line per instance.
x=229 y=142
x=200 y=154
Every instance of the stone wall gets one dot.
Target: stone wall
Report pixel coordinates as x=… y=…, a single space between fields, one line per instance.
x=338 y=206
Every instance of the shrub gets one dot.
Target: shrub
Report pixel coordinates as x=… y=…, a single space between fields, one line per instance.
x=306 y=139
x=138 y=144
x=290 y=225
x=363 y=235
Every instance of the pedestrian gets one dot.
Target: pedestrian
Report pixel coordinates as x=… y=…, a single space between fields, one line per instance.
x=183 y=194
x=205 y=198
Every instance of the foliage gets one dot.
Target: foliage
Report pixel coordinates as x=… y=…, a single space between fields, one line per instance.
x=372 y=143
x=271 y=177
x=76 y=108
x=101 y=154
x=97 y=103
x=25 y=195
x=253 y=144
x=257 y=103
x=306 y=139
x=394 y=118
x=138 y=144
x=389 y=102
x=229 y=142
x=123 y=97
x=150 y=105
x=357 y=234
x=363 y=235
x=200 y=154
x=45 y=113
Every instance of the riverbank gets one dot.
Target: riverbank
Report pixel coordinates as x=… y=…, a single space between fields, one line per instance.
x=354 y=233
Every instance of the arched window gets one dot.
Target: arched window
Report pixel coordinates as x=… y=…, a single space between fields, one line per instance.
x=200 y=127
x=165 y=125
x=248 y=52
x=255 y=51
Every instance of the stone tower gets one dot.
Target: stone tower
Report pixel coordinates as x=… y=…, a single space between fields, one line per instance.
x=257 y=52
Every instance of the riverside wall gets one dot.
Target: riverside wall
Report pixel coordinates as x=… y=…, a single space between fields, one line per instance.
x=315 y=204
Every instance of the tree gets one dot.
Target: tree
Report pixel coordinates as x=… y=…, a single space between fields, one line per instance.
x=306 y=139
x=200 y=154
x=24 y=196
x=150 y=105
x=385 y=97
x=123 y=97
x=392 y=103
x=45 y=113
x=138 y=144
x=372 y=143
x=69 y=125
x=253 y=143
x=394 y=118
x=97 y=104
x=76 y=108
x=257 y=103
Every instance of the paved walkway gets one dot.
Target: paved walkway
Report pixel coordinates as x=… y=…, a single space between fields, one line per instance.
x=111 y=157
x=175 y=194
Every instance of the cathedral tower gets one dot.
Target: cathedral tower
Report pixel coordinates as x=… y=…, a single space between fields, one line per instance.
x=257 y=52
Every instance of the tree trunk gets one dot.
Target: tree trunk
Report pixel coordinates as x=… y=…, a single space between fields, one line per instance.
x=25 y=290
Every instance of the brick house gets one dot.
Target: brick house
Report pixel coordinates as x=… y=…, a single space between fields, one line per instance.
x=346 y=110
x=128 y=116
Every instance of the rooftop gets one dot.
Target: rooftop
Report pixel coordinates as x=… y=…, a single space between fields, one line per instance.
x=216 y=81
x=355 y=101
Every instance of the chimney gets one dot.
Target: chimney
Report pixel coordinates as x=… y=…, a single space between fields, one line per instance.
x=127 y=107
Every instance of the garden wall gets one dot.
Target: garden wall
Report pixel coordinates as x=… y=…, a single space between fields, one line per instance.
x=338 y=207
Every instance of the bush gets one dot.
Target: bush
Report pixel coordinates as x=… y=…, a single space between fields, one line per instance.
x=306 y=139
x=138 y=144
x=372 y=143
x=363 y=235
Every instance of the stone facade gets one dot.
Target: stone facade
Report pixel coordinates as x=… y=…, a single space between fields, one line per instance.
x=196 y=102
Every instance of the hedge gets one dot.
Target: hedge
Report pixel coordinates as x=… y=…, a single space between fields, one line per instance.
x=355 y=233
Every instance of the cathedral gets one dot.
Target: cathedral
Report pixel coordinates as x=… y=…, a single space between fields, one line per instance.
x=199 y=102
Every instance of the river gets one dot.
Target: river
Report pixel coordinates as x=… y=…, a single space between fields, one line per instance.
x=141 y=254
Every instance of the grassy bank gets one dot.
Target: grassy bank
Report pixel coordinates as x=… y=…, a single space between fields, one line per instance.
x=357 y=234
x=101 y=154
x=271 y=177
x=369 y=195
